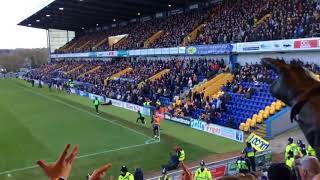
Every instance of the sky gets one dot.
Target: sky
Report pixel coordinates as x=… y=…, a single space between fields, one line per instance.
x=13 y=36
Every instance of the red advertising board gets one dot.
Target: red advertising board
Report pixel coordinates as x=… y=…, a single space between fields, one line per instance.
x=306 y=44
x=218 y=171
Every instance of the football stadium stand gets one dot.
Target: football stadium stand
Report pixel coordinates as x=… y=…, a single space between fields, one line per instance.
x=224 y=23
x=212 y=88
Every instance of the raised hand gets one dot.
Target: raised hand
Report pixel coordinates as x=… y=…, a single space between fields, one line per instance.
x=187 y=174
x=100 y=172
x=62 y=167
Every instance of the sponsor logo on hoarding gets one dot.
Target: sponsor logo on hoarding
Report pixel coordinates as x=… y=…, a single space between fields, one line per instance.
x=177 y=119
x=250 y=46
x=306 y=44
x=191 y=50
x=122 y=53
x=83 y=93
x=218 y=171
x=217 y=130
x=199 y=125
x=265 y=46
x=117 y=103
x=276 y=45
x=257 y=142
x=286 y=44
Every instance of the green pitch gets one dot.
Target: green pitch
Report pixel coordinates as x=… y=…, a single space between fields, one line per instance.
x=37 y=124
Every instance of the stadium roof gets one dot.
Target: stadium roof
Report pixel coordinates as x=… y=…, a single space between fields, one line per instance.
x=75 y=14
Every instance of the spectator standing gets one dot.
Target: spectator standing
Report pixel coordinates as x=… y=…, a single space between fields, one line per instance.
x=243 y=164
x=180 y=154
x=250 y=154
x=202 y=173
x=124 y=174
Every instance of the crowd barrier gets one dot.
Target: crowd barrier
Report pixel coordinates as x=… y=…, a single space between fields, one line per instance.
x=221 y=131
x=226 y=167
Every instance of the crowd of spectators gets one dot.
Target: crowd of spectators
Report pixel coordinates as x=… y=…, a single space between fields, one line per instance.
x=183 y=74
x=238 y=21
x=177 y=27
x=231 y=21
x=135 y=86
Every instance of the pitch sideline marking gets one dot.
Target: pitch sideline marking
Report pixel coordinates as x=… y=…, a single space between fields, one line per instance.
x=149 y=141
x=85 y=111
x=83 y=156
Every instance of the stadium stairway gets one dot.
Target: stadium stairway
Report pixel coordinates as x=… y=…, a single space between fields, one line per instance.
x=215 y=88
x=261 y=130
x=103 y=41
x=192 y=36
x=155 y=77
x=74 y=69
x=159 y=75
x=122 y=72
x=84 y=45
x=202 y=86
x=262 y=20
x=119 y=42
x=62 y=67
x=91 y=71
x=151 y=39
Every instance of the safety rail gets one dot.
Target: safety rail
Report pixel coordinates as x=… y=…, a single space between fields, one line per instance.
x=226 y=167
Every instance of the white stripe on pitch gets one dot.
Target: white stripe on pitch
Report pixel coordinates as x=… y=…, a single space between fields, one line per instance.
x=83 y=156
x=83 y=110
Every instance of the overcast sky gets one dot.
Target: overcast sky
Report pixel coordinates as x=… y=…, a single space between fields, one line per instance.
x=13 y=36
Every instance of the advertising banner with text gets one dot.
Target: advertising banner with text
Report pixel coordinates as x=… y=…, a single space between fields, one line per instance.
x=222 y=131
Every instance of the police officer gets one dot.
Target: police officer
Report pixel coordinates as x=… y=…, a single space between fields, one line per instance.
x=250 y=154
x=164 y=175
x=158 y=103
x=311 y=151
x=243 y=164
x=146 y=103
x=96 y=104
x=125 y=175
x=180 y=154
x=290 y=159
x=291 y=146
x=302 y=151
x=202 y=173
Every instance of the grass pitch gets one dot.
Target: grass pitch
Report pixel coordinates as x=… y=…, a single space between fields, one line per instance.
x=37 y=124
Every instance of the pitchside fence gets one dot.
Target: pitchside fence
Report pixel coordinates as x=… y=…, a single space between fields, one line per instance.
x=226 y=167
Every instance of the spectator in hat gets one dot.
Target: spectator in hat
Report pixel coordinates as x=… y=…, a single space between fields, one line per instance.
x=202 y=172
x=124 y=174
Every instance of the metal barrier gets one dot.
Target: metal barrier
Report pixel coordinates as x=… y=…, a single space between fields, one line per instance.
x=226 y=167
